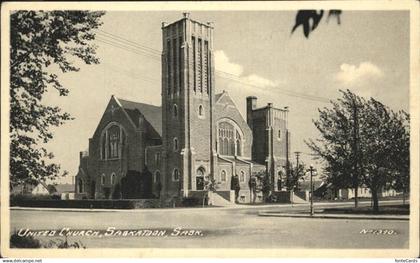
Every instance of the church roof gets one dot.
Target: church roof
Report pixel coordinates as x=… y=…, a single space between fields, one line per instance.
x=152 y=113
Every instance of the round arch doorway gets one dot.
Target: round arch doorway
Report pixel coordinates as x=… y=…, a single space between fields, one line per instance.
x=199 y=179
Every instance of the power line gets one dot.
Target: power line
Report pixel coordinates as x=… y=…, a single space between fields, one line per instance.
x=134 y=47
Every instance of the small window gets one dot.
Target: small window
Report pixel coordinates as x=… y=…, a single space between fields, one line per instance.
x=175 y=111
x=279 y=134
x=175 y=144
x=103 y=179
x=156 y=178
x=200 y=111
x=242 y=177
x=223 y=176
x=175 y=175
x=113 y=178
x=157 y=159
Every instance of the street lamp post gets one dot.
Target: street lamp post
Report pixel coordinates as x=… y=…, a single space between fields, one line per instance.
x=311 y=170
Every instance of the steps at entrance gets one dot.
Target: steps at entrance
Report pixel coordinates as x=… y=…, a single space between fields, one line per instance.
x=218 y=200
x=298 y=200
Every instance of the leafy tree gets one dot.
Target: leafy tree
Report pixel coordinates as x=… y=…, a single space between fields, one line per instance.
x=385 y=136
x=42 y=43
x=295 y=175
x=363 y=143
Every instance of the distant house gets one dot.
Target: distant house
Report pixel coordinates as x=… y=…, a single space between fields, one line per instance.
x=350 y=193
x=65 y=191
x=41 y=189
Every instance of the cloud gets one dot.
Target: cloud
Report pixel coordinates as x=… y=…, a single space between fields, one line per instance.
x=352 y=74
x=222 y=63
x=226 y=69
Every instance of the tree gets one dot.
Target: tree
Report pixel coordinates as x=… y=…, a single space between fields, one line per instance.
x=369 y=148
x=386 y=151
x=295 y=175
x=42 y=43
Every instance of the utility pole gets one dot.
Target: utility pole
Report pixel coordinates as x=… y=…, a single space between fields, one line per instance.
x=297 y=166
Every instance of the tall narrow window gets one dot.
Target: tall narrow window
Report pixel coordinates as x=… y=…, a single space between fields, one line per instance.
x=175 y=111
x=175 y=144
x=223 y=176
x=114 y=141
x=174 y=61
x=199 y=65
x=205 y=66
x=175 y=175
x=168 y=63
x=157 y=177
x=242 y=177
x=200 y=111
x=103 y=179
x=194 y=64
x=180 y=64
x=113 y=178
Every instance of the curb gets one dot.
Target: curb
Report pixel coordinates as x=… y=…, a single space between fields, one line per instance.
x=334 y=216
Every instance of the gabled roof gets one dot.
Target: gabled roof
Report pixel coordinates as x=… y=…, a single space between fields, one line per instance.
x=152 y=113
x=64 y=188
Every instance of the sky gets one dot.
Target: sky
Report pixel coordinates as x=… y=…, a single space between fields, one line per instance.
x=367 y=53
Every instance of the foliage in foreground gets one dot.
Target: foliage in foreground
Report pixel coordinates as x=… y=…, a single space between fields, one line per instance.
x=363 y=142
x=42 y=44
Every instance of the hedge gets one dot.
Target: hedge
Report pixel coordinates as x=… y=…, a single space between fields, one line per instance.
x=87 y=203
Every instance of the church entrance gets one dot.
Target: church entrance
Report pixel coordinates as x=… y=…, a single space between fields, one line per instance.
x=199 y=179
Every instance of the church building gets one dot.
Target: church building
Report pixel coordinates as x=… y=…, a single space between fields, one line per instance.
x=193 y=136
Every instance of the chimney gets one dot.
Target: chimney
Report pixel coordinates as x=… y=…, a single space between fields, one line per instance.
x=251 y=104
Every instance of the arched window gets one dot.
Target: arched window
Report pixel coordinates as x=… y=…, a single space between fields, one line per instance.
x=242 y=176
x=199 y=178
x=175 y=111
x=279 y=134
x=157 y=177
x=113 y=178
x=175 y=144
x=223 y=176
x=230 y=142
x=80 y=181
x=102 y=179
x=200 y=111
x=112 y=141
x=175 y=175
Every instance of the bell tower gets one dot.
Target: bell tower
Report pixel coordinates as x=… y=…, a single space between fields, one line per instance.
x=187 y=101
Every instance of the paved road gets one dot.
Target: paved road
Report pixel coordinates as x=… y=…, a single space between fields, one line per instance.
x=220 y=228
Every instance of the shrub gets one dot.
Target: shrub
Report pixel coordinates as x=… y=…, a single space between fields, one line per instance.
x=17 y=241
x=190 y=201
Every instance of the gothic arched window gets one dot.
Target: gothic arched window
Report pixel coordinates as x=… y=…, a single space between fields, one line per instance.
x=102 y=179
x=175 y=144
x=112 y=140
x=175 y=175
x=223 y=176
x=200 y=111
x=242 y=176
x=230 y=142
x=157 y=177
x=175 y=111
x=113 y=178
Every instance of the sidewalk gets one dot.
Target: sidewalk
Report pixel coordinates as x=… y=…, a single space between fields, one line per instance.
x=335 y=216
x=197 y=209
